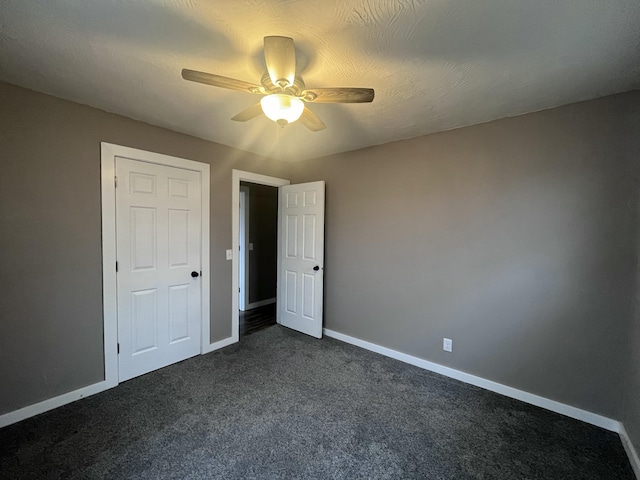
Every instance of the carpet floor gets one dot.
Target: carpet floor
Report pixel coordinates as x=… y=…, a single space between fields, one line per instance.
x=283 y=405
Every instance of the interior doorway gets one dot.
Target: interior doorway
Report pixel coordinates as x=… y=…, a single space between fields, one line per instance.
x=257 y=256
x=238 y=259
x=300 y=254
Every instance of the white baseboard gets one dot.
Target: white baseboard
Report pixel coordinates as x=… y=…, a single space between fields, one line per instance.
x=55 y=402
x=631 y=451
x=261 y=303
x=521 y=395
x=219 y=344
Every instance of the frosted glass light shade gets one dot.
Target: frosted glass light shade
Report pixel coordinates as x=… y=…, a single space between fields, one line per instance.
x=282 y=108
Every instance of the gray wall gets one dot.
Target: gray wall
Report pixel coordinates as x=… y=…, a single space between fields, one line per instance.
x=514 y=238
x=263 y=233
x=631 y=407
x=50 y=245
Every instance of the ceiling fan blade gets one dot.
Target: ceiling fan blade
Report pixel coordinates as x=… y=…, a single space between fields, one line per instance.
x=280 y=57
x=251 y=112
x=311 y=120
x=339 y=95
x=220 y=81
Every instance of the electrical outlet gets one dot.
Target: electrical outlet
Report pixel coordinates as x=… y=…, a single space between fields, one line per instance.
x=229 y=254
x=447 y=345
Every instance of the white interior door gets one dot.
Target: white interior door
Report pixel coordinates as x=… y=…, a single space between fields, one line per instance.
x=301 y=258
x=158 y=222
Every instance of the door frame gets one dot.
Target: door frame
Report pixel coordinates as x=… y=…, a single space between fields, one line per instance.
x=243 y=242
x=236 y=177
x=109 y=152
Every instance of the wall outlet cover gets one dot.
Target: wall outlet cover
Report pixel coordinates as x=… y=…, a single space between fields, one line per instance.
x=229 y=254
x=447 y=345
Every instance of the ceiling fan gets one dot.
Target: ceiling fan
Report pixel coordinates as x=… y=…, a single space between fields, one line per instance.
x=284 y=92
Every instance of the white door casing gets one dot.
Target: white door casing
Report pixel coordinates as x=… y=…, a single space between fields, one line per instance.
x=158 y=217
x=301 y=255
x=236 y=177
x=243 y=250
x=108 y=154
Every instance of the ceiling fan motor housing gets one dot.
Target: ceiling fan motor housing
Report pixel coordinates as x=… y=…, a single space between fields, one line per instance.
x=296 y=90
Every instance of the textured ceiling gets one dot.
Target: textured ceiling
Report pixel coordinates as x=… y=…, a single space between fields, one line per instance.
x=435 y=64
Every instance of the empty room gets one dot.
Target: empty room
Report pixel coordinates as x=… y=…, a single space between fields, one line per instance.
x=293 y=239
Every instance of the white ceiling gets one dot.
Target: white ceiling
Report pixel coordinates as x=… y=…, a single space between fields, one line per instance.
x=434 y=64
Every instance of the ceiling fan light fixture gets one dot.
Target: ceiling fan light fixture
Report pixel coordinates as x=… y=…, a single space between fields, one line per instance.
x=282 y=108
x=286 y=93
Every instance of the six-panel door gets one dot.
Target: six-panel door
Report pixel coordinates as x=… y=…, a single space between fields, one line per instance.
x=158 y=217
x=301 y=272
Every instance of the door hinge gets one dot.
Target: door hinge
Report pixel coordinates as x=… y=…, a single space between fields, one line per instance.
x=116 y=267
x=115 y=182
x=118 y=349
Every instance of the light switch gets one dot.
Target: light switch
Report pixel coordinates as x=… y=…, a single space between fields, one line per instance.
x=229 y=254
x=251 y=246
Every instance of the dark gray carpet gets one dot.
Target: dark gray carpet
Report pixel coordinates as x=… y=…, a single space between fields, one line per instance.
x=284 y=405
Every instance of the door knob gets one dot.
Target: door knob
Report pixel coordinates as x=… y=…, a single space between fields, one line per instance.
x=195 y=274
x=316 y=268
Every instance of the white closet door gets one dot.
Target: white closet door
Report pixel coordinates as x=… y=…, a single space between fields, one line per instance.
x=158 y=222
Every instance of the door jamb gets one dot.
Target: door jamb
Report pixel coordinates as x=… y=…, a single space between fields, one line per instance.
x=245 y=199
x=109 y=152
x=236 y=177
